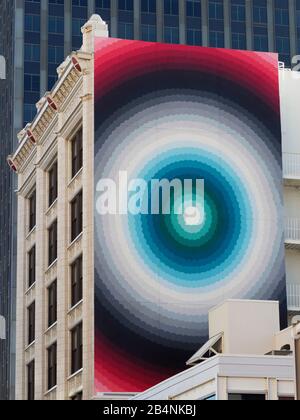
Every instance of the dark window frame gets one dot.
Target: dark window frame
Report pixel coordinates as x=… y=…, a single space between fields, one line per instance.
x=32 y=266
x=30 y=380
x=52 y=303
x=52 y=243
x=76 y=281
x=52 y=183
x=76 y=349
x=76 y=216
x=32 y=210
x=76 y=153
x=52 y=366
x=31 y=323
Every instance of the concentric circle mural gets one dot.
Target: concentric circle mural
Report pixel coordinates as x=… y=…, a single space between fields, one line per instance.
x=172 y=112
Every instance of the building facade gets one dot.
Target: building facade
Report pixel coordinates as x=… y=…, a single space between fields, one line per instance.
x=55 y=271
x=7 y=209
x=43 y=32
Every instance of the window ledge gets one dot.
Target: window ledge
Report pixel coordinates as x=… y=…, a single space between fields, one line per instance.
x=76 y=176
x=51 y=266
x=51 y=207
x=77 y=239
x=30 y=232
x=30 y=289
x=75 y=306
x=50 y=391
x=75 y=374
x=51 y=327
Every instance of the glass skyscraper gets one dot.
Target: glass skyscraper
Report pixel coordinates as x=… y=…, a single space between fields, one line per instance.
x=36 y=35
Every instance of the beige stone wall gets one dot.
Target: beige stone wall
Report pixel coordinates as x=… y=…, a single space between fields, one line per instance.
x=74 y=95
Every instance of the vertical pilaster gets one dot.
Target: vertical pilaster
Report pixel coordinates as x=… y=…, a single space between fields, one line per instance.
x=271 y=25
x=68 y=26
x=249 y=24
x=293 y=30
x=227 y=24
x=41 y=264
x=205 y=28
x=160 y=20
x=137 y=18
x=20 y=307
x=182 y=22
x=44 y=48
x=114 y=18
x=63 y=281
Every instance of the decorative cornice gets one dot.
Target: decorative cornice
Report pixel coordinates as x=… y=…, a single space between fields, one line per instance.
x=70 y=74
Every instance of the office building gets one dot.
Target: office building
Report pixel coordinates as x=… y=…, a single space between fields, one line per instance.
x=55 y=165
x=43 y=32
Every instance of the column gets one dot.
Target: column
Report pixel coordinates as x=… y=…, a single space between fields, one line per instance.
x=271 y=25
x=227 y=24
x=182 y=22
x=205 y=28
x=137 y=18
x=249 y=25
x=160 y=20
x=44 y=48
x=68 y=27
x=114 y=18
x=20 y=302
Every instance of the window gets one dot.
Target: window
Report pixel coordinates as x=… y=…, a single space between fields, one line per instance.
x=52 y=303
x=193 y=8
x=126 y=5
x=76 y=281
x=30 y=381
x=193 y=37
x=148 y=6
x=29 y=112
x=32 y=23
x=77 y=153
x=52 y=242
x=76 y=216
x=52 y=365
x=76 y=348
x=148 y=33
x=31 y=267
x=238 y=11
x=32 y=210
x=32 y=52
x=171 y=35
x=55 y=54
x=31 y=82
x=31 y=323
x=53 y=183
x=125 y=30
x=171 y=7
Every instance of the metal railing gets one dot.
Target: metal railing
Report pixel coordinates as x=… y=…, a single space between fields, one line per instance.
x=291 y=165
x=293 y=297
x=292 y=229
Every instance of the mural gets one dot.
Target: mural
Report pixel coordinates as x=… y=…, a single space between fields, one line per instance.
x=170 y=112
